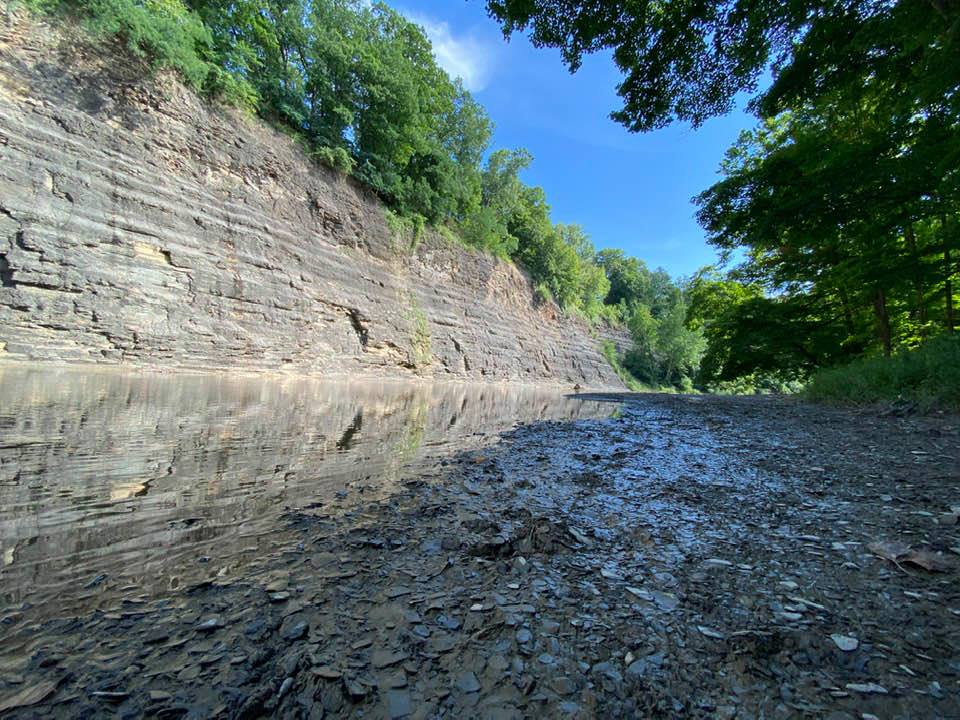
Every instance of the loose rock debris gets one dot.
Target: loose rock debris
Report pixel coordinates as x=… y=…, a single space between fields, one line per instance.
x=688 y=557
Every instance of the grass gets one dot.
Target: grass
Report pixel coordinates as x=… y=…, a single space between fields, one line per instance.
x=928 y=377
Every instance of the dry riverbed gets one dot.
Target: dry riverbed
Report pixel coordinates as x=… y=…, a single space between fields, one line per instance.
x=687 y=557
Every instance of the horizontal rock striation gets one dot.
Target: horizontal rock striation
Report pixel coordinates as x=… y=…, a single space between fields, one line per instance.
x=142 y=226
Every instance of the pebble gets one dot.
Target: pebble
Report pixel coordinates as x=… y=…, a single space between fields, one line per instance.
x=354 y=688
x=295 y=631
x=113 y=697
x=386 y=658
x=397 y=591
x=450 y=623
x=398 y=704
x=550 y=627
x=191 y=672
x=845 y=642
x=563 y=685
x=214 y=622
x=790 y=616
x=711 y=633
x=467 y=682
x=867 y=688
x=717 y=562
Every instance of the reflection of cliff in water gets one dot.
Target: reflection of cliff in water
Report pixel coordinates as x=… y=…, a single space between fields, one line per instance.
x=110 y=480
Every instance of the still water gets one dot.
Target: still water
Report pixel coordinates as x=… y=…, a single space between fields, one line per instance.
x=116 y=482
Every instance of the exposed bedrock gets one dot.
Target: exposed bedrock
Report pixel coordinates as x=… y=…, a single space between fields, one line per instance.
x=141 y=226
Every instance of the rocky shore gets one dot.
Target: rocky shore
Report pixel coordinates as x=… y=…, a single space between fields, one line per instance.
x=686 y=557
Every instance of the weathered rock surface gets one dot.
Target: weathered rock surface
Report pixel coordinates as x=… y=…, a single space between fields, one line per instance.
x=139 y=225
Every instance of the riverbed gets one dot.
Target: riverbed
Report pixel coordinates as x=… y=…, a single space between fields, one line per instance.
x=200 y=546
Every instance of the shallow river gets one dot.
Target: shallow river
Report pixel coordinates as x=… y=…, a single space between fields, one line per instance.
x=112 y=480
x=202 y=547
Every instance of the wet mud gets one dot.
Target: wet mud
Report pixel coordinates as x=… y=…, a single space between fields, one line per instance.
x=667 y=556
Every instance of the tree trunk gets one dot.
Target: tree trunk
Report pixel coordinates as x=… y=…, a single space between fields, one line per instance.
x=920 y=306
x=948 y=287
x=847 y=312
x=948 y=274
x=883 y=321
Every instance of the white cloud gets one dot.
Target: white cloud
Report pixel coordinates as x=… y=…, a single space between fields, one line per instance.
x=462 y=56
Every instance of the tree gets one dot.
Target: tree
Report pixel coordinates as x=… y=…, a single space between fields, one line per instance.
x=688 y=60
x=837 y=201
x=680 y=348
x=713 y=302
x=592 y=285
x=629 y=278
x=360 y=83
x=552 y=263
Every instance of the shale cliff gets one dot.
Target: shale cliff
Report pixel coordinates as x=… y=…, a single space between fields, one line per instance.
x=140 y=225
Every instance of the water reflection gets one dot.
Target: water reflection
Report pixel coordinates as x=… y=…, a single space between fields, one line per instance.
x=110 y=481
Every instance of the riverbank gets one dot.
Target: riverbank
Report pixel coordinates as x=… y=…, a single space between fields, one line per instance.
x=686 y=557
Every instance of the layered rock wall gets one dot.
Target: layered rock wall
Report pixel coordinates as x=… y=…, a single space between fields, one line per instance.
x=141 y=226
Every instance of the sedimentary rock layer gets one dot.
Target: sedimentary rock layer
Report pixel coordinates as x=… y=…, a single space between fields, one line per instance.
x=140 y=225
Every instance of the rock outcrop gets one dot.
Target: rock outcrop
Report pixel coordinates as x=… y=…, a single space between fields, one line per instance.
x=140 y=225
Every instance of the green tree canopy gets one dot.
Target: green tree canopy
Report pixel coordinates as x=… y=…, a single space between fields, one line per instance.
x=688 y=60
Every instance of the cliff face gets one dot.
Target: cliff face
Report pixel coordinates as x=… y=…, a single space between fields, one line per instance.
x=139 y=225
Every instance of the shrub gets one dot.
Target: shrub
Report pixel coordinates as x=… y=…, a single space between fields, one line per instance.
x=163 y=31
x=609 y=351
x=542 y=294
x=928 y=377
x=760 y=383
x=452 y=238
x=407 y=231
x=334 y=157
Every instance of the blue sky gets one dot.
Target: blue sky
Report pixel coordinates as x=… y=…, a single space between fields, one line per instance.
x=628 y=191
